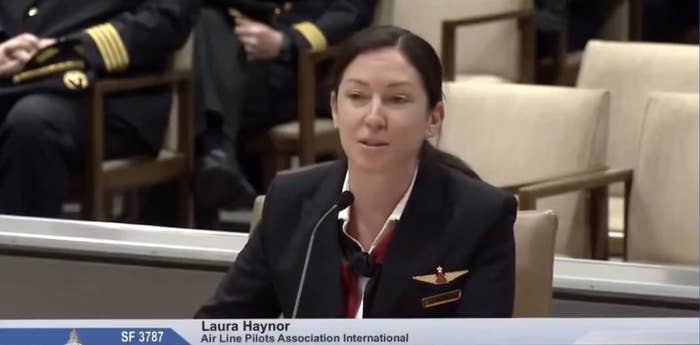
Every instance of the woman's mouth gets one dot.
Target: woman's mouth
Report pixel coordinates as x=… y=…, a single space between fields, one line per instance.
x=373 y=143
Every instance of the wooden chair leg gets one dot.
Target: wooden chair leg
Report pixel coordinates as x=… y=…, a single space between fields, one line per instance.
x=94 y=206
x=131 y=206
x=599 y=223
x=184 y=203
x=109 y=206
x=268 y=170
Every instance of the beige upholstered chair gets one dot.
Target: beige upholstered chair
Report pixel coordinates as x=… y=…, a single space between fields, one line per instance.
x=663 y=206
x=490 y=50
x=514 y=135
x=257 y=212
x=174 y=162
x=630 y=71
x=663 y=215
x=534 y=259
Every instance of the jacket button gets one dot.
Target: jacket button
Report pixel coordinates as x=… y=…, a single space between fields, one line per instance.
x=32 y=12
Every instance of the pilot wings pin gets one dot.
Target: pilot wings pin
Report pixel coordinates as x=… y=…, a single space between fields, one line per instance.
x=440 y=277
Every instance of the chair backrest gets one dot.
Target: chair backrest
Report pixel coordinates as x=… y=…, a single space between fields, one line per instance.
x=257 y=212
x=492 y=48
x=516 y=134
x=182 y=60
x=534 y=260
x=630 y=71
x=663 y=213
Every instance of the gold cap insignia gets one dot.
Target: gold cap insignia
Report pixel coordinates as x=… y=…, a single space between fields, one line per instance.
x=75 y=80
x=440 y=277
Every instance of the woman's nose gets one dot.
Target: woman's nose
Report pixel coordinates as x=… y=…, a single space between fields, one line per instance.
x=375 y=118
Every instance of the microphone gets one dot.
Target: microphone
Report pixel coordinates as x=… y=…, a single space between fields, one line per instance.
x=346 y=198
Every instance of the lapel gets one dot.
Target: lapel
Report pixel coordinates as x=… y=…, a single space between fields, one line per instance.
x=322 y=295
x=413 y=243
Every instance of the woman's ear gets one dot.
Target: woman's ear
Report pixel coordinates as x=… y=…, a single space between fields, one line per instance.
x=334 y=108
x=435 y=118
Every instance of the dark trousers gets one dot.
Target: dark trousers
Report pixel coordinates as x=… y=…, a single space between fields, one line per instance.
x=42 y=144
x=233 y=97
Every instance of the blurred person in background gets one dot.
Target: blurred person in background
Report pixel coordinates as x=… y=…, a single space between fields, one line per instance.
x=245 y=61
x=51 y=52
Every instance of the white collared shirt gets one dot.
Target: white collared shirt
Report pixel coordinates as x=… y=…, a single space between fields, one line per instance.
x=394 y=217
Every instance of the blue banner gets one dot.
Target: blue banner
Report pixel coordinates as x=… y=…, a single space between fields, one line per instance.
x=90 y=336
x=531 y=331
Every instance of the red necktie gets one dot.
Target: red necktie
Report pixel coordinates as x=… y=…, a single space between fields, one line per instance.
x=349 y=278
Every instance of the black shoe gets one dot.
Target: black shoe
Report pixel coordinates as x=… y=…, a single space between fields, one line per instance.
x=217 y=183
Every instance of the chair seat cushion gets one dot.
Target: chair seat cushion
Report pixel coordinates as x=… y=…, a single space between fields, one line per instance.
x=113 y=164
x=290 y=130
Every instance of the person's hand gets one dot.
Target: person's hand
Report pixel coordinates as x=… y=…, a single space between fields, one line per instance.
x=17 y=51
x=260 y=41
x=45 y=42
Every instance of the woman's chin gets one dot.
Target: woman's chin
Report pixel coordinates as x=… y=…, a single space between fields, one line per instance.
x=369 y=164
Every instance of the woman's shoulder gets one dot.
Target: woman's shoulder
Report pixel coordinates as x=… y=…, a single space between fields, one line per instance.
x=305 y=181
x=470 y=191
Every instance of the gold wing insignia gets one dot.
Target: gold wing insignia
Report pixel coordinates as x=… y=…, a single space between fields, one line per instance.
x=440 y=277
x=454 y=275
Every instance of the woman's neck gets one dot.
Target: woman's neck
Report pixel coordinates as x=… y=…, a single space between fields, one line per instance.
x=376 y=196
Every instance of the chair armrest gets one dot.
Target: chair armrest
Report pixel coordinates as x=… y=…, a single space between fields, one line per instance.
x=180 y=80
x=527 y=29
x=515 y=188
x=528 y=195
x=321 y=56
x=112 y=85
x=471 y=20
x=597 y=185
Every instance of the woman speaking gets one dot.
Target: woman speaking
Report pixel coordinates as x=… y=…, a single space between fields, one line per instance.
x=396 y=229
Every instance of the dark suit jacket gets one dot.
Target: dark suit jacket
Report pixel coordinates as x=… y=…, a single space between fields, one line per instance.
x=450 y=220
x=132 y=38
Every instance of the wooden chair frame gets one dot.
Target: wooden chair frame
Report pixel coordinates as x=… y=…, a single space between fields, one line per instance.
x=526 y=25
x=277 y=150
x=101 y=178
x=596 y=184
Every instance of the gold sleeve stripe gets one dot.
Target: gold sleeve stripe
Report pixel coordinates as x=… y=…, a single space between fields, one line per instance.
x=313 y=35
x=101 y=44
x=121 y=49
x=110 y=46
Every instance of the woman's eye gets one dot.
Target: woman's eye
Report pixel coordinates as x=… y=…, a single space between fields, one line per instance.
x=399 y=99
x=355 y=96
